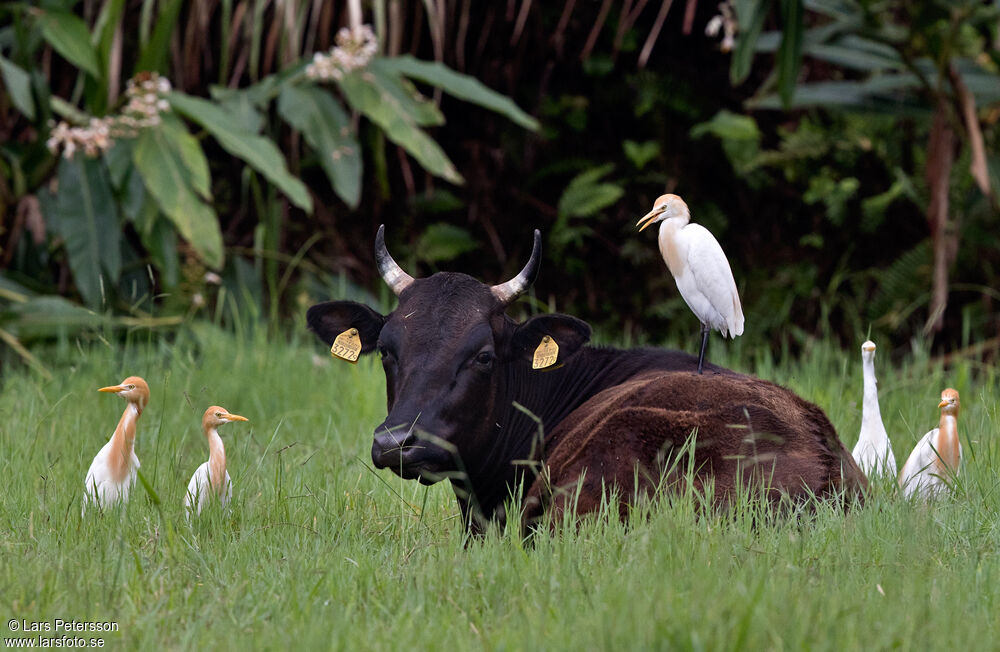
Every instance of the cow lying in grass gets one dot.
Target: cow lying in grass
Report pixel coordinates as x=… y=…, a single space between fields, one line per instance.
x=465 y=403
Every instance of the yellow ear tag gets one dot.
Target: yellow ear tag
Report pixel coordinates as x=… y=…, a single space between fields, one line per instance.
x=347 y=346
x=546 y=354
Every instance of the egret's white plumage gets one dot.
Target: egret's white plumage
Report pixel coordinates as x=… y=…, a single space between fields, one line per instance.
x=936 y=458
x=112 y=473
x=211 y=479
x=699 y=267
x=873 y=452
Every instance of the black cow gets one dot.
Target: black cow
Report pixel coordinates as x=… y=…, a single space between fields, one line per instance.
x=464 y=403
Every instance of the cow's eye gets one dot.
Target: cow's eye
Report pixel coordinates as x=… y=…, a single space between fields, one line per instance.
x=384 y=353
x=484 y=358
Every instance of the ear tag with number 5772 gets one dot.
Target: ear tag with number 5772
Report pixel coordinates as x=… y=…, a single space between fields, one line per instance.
x=347 y=346
x=546 y=354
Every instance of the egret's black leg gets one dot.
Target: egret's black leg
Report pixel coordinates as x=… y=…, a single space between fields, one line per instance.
x=705 y=330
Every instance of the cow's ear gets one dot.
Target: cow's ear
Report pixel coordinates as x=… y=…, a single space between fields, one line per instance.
x=330 y=319
x=568 y=332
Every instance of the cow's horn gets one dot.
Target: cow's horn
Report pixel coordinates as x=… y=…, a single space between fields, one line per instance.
x=391 y=272
x=515 y=287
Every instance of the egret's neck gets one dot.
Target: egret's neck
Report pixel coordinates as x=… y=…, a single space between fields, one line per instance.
x=668 y=244
x=949 y=424
x=216 y=458
x=869 y=408
x=122 y=443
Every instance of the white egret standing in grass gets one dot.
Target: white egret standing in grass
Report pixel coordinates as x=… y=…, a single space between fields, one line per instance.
x=935 y=459
x=873 y=452
x=112 y=473
x=211 y=478
x=699 y=267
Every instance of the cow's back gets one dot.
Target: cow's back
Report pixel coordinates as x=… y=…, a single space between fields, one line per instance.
x=744 y=432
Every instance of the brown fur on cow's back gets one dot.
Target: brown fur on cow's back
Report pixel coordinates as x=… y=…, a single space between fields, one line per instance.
x=748 y=432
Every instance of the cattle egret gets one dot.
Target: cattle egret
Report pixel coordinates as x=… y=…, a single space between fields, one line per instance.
x=936 y=457
x=699 y=267
x=211 y=478
x=112 y=473
x=873 y=452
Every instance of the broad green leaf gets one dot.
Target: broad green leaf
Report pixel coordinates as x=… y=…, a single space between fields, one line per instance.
x=727 y=125
x=641 y=153
x=84 y=213
x=585 y=196
x=259 y=152
x=154 y=55
x=458 y=85
x=161 y=160
x=160 y=240
x=18 y=85
x=241 y=109
x=790 y=52
x=119 y=161
x=326 y=127
x=442 y=242
x=191 y=154
x=403 y=95
x=47 y=316
x=69 y=36
x=364 y=96
x=751 y=15
x=885 y=93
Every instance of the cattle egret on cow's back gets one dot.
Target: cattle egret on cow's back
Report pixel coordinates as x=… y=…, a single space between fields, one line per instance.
x=699 y=267
x=112 y=473
x=211 y=478
x=873 y=452
x=935 y=459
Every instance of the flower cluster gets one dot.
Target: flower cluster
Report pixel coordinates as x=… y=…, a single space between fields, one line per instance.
x=352 y=50
x=726 y=21
x=145 y=104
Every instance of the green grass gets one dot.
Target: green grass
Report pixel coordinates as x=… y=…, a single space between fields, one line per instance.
x=320 y=551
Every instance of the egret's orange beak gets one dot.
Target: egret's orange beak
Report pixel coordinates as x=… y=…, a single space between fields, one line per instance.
x=649 y=217
x=235 y=417
x=113 y=389
x=943 y=404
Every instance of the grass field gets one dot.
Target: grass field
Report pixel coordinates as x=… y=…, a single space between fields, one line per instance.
x=320 y=551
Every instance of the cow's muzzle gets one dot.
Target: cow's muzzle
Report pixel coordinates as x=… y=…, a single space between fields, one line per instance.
x=411 y=453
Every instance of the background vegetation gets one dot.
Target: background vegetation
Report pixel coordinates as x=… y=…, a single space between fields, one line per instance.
x=844 y=152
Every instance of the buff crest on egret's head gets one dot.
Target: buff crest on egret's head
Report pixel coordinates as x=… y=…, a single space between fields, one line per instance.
x=113 y=471
x=699 y=267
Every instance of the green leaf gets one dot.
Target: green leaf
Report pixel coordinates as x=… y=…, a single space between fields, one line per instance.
x=727 y=125
x=69 y=36
x=259 y=152
x=326 y=127
x=47 y=316
x=886 y=93
x=751 y=15
x=364 y=96
x=641 y=153
x=443 y=242
x=584 y=196
x=18 y=85
x=240 y=108
x=160 y=240
x=154 y=56
x=84 y=213
x=790 y=52
x=404 y=96
x=458 y=85
x=162 y=155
